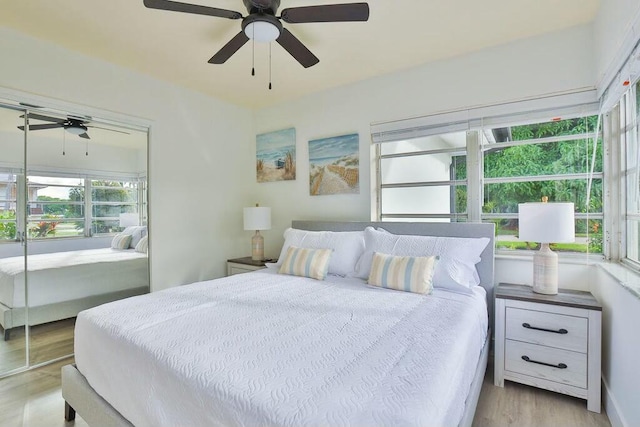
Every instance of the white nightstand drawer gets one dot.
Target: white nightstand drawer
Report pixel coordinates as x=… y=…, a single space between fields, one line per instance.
x=549 y=329
x=569 y=367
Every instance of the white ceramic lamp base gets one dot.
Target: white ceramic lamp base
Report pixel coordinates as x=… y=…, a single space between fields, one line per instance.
x=257 y=247
x=545 y=271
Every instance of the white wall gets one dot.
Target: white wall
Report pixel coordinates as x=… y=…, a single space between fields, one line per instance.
x=616 y=29
x=45 y=153
x=620 y=349
x=201 y=151
x=523 y=69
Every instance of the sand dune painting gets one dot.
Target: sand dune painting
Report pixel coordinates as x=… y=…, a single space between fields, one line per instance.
x=334 y=165
x=276 y=155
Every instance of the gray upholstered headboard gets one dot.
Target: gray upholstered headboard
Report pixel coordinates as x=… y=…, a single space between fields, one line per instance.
x=452 y=229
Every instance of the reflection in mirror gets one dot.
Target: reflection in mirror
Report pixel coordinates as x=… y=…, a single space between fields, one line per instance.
x=73 y=215
x=86 y=224
x=13 y=349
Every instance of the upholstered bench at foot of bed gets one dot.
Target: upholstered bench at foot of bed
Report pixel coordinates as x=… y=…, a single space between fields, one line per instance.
x=81 y=397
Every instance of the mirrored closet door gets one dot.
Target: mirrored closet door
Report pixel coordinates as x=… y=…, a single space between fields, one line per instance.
x=84 y=220
x=13 y=343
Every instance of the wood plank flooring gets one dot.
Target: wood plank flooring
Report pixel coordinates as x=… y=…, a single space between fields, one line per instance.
x=33 y=399
x=48 y=341
x=519 y=405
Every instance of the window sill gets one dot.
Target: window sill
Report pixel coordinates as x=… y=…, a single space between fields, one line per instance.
x=623 y=274
x=563 y=258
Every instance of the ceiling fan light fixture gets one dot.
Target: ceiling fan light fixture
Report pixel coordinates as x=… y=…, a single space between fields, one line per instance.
x=76 y=129
x=262 y=31
x=262 y=28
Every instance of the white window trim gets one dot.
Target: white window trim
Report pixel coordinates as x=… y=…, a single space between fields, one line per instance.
x=430 y=125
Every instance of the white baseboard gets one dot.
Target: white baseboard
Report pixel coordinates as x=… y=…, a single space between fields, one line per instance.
x=611 y=408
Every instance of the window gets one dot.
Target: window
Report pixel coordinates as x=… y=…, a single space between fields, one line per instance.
x=523 y=163
x=484 y=173
x=424 y=178
x=8 y=202
x=61 y=206
x=108 y=200
x=630 y=136
x=55 y=207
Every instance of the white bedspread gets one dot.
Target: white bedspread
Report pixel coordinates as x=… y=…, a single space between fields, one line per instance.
x=266 y=349
x=64 y=276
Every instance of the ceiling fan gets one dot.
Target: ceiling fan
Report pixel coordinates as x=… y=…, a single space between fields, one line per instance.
x=75 y=125
x=263 y=25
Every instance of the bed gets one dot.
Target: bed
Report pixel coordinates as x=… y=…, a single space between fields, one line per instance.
x=62 y=284
x=264 y=348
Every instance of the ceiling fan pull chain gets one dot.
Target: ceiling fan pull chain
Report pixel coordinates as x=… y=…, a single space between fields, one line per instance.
x=64 y=142
x=253 y=53
x=269 y=65
x=86 y=148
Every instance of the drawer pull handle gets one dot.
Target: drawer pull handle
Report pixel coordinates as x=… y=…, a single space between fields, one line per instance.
x=559 y=365
x=559 y=331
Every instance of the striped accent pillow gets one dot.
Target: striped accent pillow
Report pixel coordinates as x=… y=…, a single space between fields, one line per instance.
x=305 y=262
x=143 y=245
x=121 y=241
x=403 y=273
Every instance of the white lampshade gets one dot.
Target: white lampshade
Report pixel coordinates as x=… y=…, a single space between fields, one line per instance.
x=262 y=31
x=129 y=219
x=546 y=222
x=257 y=218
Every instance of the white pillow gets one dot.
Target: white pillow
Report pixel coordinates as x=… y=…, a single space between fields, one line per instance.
x=143 y=245
x=136 y=232
x=458 y=255
x=347 y=247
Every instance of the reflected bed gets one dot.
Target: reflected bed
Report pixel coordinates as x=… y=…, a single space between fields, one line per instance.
x=62 y=284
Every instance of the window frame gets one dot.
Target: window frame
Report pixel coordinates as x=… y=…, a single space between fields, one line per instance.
x=476 y=181
x=23 y=208
x=624 y=125
x=451 y=183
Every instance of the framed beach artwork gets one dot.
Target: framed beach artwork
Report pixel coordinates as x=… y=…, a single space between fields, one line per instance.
x=276 y=155
x=334 y=165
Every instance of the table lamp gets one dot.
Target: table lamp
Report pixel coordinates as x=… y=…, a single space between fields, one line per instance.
x=257 y=218
x=546 y=223
x=128 y=219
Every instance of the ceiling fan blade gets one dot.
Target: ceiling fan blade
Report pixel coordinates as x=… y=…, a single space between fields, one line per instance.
x=229 y=49
x=46 y=126
x=175 y=6
x=295 y=47
x=84 y=135
x=327 y=13
x=43 y=118
x=110 y=130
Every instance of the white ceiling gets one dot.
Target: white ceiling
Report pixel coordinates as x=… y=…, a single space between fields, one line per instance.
x=175 y=46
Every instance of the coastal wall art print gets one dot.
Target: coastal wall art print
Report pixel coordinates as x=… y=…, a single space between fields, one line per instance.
x=276 y=155
x=334 y=165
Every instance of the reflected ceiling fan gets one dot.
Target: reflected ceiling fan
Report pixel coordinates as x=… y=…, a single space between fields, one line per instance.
x=75 y=125
x=263 y=25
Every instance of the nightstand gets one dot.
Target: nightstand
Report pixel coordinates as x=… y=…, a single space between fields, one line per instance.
x=244 y=265
x=549 y=341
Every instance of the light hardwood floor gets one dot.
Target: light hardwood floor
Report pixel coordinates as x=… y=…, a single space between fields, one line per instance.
x=519 y=405
x=33 y=399
x=48 y=341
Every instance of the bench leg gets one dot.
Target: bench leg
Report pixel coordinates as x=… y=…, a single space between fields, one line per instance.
x=7 y=334
x=69 y=412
